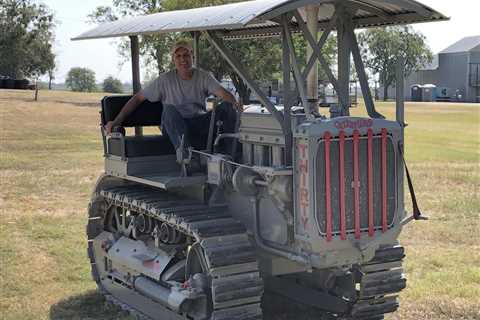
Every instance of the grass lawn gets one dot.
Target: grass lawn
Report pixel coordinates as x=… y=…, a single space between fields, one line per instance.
x=51 y=155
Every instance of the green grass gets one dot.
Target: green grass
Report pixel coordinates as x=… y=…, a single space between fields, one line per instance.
x=51 y=156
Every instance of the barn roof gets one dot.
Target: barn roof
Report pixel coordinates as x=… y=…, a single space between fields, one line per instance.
x=464 y=45
x=257 y=18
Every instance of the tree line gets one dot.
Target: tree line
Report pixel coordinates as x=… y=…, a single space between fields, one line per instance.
x=27 y=37
x=83 y=80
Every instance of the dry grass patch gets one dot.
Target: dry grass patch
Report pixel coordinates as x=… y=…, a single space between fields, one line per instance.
x=51 y=155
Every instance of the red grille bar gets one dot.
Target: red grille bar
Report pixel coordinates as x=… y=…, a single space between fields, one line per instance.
x=343 y=228
x=384 y=179
x=328 y=217
x=356 y=183
x=370 y=182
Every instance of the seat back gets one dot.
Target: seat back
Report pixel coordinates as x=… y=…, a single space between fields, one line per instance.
x=147 y=114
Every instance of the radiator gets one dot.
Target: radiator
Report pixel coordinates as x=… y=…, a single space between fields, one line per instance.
x=355 y=183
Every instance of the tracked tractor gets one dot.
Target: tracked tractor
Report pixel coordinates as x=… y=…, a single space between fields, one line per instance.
x=306 y=213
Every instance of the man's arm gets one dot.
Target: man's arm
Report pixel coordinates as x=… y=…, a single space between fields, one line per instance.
x=227 y=96
x=127 y=109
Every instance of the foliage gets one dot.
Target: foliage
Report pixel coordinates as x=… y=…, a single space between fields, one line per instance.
x=81 y=79
x=26 y=39
x=262 y=57
x=382 y=47
x=155 y=48
x=110 y=84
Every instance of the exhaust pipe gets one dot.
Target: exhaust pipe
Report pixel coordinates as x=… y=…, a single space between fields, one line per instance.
x=171 y=298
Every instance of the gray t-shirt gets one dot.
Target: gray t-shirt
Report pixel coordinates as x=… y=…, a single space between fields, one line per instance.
x=188 y=96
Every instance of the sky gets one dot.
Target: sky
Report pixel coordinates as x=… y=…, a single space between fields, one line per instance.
x=102 y=57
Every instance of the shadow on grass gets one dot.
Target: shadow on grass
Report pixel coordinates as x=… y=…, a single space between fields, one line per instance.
x=79 y=104
x=91 y=305
x=72 y=102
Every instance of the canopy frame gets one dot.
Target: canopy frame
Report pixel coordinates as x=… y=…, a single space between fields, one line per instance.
x=282 y=18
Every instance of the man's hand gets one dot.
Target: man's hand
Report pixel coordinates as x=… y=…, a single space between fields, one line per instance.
x=108 y=127
x=127 y=109
x=238 y=106
x=228 y=97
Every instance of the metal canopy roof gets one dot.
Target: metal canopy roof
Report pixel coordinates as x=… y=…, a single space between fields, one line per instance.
x=257 y=18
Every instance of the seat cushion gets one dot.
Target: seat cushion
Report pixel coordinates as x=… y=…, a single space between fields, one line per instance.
x=143 y=146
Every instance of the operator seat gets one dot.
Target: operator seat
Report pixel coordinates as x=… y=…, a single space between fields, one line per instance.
x=147 y=114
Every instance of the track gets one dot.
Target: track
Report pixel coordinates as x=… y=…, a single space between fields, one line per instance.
x=235 y=283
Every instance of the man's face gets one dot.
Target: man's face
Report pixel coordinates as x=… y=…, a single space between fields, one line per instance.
x=183 y=60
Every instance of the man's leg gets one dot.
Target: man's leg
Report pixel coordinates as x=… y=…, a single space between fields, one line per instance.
x=174 y=126
x=228 y=115
x=198 y=130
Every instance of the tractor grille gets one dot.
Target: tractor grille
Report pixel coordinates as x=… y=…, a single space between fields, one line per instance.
x=355 y=184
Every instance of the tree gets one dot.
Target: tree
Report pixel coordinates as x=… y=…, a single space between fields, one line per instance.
x=26 y=39
x=81 y=79
x=154 y=49
x=382 y=48
x=112 y=85
x=262 y=57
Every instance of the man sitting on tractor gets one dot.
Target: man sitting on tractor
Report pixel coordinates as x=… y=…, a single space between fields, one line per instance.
x=183 y=92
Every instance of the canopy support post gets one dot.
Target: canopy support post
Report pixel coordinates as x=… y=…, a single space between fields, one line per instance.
x=137 y=86
x=317 y=50
x=362 y=75
x=226 y=54
x=323 y=38
x=343 y=47
x=196 y=48
x=299 y=79
x=400 y=98
x=400 y=117
x=312 y=75
x=287 y=100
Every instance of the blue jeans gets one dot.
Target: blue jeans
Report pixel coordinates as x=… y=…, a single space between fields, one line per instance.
x=196 y=129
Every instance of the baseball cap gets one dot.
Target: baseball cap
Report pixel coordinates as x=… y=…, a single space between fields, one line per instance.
x=182 y=44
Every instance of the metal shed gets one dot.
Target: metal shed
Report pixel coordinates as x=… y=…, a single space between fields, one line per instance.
x=455 y=71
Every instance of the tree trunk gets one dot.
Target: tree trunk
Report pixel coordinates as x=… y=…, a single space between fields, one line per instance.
x=385 y=92
x=242 y=89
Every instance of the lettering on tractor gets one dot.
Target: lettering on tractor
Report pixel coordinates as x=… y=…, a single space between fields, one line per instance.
x=289 y=209
x=348 y=124
x=303 y=185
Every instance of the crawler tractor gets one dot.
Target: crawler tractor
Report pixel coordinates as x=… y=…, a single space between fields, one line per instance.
x=305 y=214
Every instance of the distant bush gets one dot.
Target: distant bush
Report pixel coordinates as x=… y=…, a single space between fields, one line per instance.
x=81 y=79
x=112 y=85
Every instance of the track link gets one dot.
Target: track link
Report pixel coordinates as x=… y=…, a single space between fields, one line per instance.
x=236 y=285
x=382 y=278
